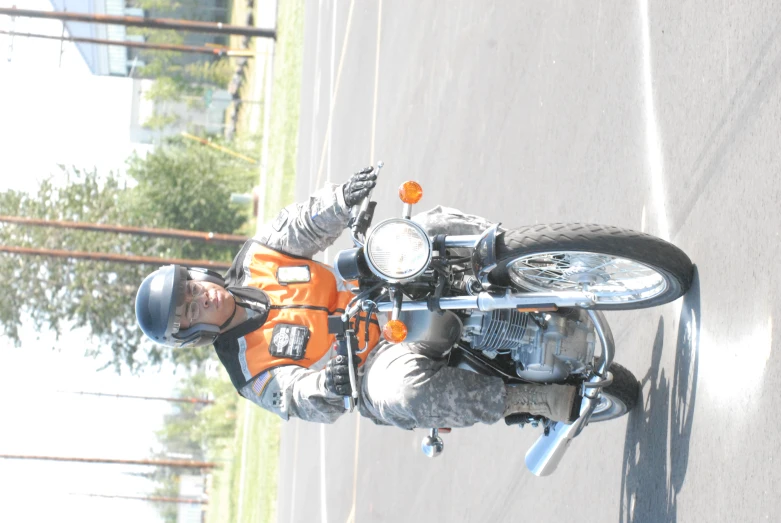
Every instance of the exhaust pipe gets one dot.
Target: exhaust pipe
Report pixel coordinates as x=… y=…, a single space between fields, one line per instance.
x=544 y=456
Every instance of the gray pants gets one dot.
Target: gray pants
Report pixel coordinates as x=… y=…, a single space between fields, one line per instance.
x=402 y=387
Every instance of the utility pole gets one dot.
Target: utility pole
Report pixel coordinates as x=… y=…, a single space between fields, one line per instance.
x=160 y=499
x=149 y=462
x=160 y=398
x=142 y=21
x=179 y=234
x=117 y=258
x=219 y=51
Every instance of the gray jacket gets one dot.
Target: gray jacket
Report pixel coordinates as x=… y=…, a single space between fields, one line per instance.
x=302 y=229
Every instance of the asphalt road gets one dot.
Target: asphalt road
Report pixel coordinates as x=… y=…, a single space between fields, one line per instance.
x=663 y=118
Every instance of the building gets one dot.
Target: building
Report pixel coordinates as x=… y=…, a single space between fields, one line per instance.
x=123 y=61
x=200 y=117
x=191 y=487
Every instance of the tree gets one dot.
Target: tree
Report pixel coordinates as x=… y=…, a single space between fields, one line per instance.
x=202 y=432
x=195 y=429
x=179 y=185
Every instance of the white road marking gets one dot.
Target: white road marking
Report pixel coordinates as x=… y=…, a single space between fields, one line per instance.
x=295 y=470
x=335 y=93
x=323 y=496
x=652 y=138
x=244 y=444
x=355 y=466
x=331 y=86
x=376 y=83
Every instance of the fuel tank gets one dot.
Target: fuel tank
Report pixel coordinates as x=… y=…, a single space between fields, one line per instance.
x=433 y=334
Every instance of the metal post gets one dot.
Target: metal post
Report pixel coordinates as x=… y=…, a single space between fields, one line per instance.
x=140 y=21
x=117 y=258
x=151 y=462
x=219 y=51
x=179 y=234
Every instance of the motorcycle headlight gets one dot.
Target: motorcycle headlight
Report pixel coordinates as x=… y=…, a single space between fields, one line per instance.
x=398 y=250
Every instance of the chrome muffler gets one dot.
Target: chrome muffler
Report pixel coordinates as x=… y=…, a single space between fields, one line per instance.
x=544 y=456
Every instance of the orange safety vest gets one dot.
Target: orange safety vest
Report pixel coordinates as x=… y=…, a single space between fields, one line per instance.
x=303 y=303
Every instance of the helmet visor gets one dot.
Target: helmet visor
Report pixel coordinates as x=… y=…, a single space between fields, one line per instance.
x=179 y=290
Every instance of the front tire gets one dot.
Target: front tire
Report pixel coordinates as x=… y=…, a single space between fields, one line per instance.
x=621 y=268
x=619 y=397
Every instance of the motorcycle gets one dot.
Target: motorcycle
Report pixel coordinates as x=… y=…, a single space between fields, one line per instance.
x=523 y=304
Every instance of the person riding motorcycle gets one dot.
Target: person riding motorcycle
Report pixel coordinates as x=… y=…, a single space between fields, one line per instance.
x=267 y=319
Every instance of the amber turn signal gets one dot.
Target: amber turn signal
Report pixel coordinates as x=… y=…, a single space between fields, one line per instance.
x=410 y=192
x=394 y=331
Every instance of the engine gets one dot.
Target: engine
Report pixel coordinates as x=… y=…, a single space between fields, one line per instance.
x=545 y=347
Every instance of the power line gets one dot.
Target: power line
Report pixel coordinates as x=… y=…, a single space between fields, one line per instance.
x=130 y=396
x=159 y=499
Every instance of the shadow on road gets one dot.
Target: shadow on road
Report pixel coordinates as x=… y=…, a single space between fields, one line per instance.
x=656 y=448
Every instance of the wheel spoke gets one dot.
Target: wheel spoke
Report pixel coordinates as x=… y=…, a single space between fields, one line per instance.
x=609 y=278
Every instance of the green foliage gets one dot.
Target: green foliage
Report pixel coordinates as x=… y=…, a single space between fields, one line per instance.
x=179 y=77
x=159 y=121
x=164 y=89
x=187 y=186
x=179 y=186
x=201 y=431
x=216 y=72
x=157 y=5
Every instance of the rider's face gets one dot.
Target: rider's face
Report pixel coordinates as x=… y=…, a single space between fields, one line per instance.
x=206 y=303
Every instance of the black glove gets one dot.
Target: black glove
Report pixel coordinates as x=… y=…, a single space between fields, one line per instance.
x=337 y=376
x=358 y=187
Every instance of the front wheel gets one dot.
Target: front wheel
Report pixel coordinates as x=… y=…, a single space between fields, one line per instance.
x=619 y=397
x=621 y=269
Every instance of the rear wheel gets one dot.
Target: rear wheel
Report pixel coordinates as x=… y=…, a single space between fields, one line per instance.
x=621 y=269
x=619 y=397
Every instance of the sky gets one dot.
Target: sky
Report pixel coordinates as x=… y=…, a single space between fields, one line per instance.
x=59 y=113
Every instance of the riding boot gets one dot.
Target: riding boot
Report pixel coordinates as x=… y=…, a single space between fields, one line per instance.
x=555 y=402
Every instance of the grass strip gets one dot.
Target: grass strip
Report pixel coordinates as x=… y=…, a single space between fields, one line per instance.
x=285 y=106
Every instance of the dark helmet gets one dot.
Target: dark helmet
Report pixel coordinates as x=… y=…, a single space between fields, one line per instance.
x=160 y=305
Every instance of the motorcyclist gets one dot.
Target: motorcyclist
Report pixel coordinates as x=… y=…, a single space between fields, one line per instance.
x=267 y=319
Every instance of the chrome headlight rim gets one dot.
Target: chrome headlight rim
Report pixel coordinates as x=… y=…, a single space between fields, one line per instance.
x=390 y=278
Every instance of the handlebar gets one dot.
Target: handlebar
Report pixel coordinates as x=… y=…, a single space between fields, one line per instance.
x=339 y=325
